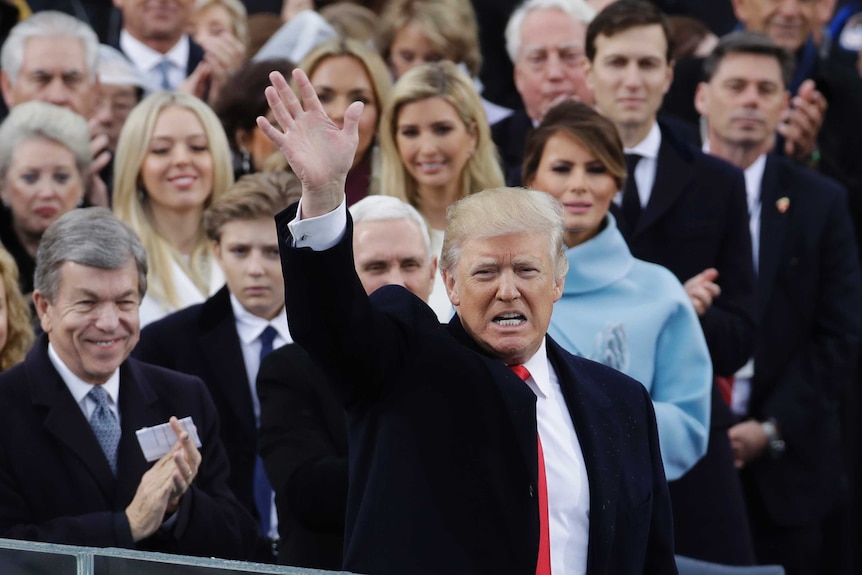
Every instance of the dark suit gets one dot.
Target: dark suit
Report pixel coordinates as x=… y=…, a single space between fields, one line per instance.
x=202 y=340
x=696 y=218
x=303 y=442
x=510 y=136
x=55 y=482
x=810 y=317
x=443 y=454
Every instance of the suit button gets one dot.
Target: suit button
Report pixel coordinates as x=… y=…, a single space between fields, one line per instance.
x=531 y=490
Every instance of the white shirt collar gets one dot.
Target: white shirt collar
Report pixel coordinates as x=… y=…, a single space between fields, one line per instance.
x=249 y=326
x=145 y=58
x=78 y=386
x=539 y=370
x=649 y=146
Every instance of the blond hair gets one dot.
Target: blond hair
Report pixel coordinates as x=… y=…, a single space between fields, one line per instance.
x=439 y=80
x=19 y=331
x=131 y=202
x=252 y=197
x=238 y=13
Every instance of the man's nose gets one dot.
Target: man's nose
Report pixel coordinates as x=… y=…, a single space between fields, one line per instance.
x=507 y=286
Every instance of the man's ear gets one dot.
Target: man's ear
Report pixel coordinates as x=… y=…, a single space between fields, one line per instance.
x=6 y=88
x=451 y=288
x=42 y=304
x=701 y=99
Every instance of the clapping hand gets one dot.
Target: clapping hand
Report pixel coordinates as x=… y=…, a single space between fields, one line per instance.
x=318 y=151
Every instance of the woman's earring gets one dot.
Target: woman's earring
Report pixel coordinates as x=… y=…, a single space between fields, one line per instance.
x=142 y=195
x=245 y=161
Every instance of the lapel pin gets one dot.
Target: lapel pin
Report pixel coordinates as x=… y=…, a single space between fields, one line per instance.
x=782 y=204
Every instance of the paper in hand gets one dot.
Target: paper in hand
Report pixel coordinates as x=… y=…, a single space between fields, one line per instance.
x=156 y=441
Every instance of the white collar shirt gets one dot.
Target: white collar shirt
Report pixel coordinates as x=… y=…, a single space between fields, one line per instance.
x=80 y=388
x=249 y=327
x=565 y=469
x=645 y=170
x=147 y=60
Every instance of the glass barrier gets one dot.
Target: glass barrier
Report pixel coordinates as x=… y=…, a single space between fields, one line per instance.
x=30 y=558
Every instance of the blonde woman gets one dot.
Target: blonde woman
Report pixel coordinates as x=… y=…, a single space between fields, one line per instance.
x=436 y=147
x=16 y=332
x=172 y=161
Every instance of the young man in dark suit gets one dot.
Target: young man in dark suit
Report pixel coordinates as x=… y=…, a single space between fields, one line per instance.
x=686 y=211
x=480 y=446
x=72 y=471
x=788 y=445
x=223 y=339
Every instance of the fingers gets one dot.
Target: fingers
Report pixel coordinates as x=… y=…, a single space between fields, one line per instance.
x=310 y=101
x=351 y=119
x=282 y=101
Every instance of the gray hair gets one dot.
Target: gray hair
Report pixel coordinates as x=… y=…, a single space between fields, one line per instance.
x=39 y=120
x=386 y=208
x=53 y=24
x=90 y=237
x=578 y=10
x=502 y=211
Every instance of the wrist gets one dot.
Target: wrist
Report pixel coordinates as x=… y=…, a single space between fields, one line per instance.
x=774 y=443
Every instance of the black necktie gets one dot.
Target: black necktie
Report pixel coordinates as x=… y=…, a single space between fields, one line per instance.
x=631 y=197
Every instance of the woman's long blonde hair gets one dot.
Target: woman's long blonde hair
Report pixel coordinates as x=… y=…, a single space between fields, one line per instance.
x=438 y=80
x=131 y=201
x=19 y=331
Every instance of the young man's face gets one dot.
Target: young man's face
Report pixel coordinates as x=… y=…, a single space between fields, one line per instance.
x=630 y=75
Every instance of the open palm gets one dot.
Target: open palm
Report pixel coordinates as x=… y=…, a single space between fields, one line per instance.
x=318 y=151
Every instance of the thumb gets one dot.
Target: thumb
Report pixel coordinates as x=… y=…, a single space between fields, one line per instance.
x=709 y=274
x=351 y=119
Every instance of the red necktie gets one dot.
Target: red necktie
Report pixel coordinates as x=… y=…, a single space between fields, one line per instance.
x=543 y=565
x=725 y=386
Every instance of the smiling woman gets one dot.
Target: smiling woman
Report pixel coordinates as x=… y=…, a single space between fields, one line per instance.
x=44 y=162
x=172 y=162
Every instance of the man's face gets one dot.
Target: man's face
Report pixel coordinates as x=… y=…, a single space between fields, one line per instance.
x=53 y=70
x=503 y=289
x=248 y=254
x=158 y=21
x=115 y=105
x=93 y=323
x=744 y=101
x=550 y=63
x=787 y=22
x=630 y=75
x=393 y=252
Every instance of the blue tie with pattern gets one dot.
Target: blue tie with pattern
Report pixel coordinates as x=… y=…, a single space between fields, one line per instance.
x=164 y=67
x=262 y=487
x=105 y=425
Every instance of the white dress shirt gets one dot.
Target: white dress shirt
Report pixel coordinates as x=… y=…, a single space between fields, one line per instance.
x=645 y=170
x=147 y=60
x=565 y=469
x=80 y=388
x=249 y=327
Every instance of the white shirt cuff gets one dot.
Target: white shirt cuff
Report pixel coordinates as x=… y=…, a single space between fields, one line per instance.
x=319 y=233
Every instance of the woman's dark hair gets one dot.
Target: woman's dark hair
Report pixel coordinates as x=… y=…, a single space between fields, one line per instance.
x=242 y=99
x=581 y=122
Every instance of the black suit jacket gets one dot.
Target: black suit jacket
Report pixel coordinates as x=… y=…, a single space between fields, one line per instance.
x=202 y=340
x=443 y=456
x=510 y=136
x=696 y=218
x=55 y=482
x=303 y=442
x=810 y=316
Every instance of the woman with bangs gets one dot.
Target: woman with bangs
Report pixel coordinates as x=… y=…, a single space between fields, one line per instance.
x=172 y=161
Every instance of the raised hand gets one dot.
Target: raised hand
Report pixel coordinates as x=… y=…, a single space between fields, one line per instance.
x=318 y=151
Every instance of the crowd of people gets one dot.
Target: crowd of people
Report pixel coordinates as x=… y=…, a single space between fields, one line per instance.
x=325 y=232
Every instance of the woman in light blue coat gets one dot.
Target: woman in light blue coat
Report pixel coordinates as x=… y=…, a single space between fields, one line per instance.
x=620 y=311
